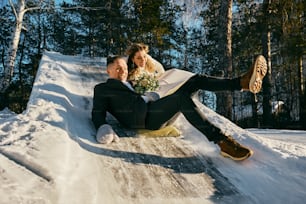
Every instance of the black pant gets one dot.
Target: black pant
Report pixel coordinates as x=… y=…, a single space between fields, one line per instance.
x=161 y=111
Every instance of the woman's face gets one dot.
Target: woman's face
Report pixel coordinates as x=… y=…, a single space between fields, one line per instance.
x=140 y=58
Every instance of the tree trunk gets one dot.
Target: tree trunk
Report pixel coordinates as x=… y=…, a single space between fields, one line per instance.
x=302 y=93
x=225 y=100
x=303 y=123
x=267 y=82
x=12 y=50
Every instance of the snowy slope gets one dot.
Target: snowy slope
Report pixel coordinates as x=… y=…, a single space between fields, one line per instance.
x=48 y=154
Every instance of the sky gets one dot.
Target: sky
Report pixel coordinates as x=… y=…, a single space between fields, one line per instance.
x=48 y=153
x=60 y=1
x=3 y=2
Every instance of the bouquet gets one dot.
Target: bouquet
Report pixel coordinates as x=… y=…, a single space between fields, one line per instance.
x=145 y=82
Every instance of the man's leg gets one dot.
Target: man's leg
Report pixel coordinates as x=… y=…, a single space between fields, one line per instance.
x=163 y=110
x=209 y=83
x=250 y=81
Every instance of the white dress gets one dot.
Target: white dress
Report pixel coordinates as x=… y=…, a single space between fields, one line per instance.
x=170 y=80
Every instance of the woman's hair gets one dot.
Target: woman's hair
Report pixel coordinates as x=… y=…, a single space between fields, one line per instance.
x=131 y=51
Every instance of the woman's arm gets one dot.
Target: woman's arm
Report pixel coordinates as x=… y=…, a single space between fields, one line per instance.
x=159 y=69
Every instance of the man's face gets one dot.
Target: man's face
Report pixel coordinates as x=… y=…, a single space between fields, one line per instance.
x=118 y=70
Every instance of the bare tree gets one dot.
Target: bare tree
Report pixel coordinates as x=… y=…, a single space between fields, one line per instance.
x=12 y=50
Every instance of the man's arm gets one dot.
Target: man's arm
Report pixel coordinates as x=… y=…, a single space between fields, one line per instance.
x=105 y=133
x=98 y=114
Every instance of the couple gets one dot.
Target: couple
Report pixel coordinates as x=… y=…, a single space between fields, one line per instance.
x=133 y=110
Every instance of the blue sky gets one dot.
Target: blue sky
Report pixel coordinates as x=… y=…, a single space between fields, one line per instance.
x=3 y=2
x=60 y=1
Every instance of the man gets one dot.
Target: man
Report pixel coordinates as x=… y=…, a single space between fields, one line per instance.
x=133 y=110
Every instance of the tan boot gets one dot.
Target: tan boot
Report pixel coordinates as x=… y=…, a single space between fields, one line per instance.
x=252 y=80
x=232 y=149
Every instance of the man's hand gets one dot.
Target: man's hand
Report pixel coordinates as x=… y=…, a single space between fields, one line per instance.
x=106 y=134
x=152 y=96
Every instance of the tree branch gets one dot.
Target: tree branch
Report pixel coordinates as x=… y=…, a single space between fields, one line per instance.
x=85 y=8
x=69 y=8
x=13 y=8
x=32 y=8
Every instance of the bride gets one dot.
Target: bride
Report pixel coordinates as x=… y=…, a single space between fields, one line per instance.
x=142 y=67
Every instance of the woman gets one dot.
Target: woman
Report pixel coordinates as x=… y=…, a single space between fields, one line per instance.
x=141 y=64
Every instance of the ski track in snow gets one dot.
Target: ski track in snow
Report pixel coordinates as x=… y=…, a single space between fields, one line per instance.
x=48 y=154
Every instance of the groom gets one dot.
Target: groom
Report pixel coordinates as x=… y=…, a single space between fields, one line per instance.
x=136 y=111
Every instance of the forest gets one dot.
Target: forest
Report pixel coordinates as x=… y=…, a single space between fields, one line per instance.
x=214 y=37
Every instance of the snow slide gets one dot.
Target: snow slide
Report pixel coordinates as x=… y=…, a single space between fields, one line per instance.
x=48 y=154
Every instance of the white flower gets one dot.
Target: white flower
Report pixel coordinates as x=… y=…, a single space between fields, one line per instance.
x=145 y=82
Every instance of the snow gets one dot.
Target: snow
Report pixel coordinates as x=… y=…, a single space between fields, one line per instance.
x=48 y=154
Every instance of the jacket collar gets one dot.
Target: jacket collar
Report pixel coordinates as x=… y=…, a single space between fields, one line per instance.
x=115 y=83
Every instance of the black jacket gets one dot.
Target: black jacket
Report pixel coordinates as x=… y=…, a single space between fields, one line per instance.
x=125 y=105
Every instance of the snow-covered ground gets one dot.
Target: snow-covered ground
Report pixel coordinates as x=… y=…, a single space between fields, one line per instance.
x=48 y=154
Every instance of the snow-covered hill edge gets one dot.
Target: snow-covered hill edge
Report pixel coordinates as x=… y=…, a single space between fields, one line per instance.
x=49 y=154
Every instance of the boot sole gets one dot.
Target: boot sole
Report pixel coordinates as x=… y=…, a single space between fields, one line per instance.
x=224 y=154
x=259 y=72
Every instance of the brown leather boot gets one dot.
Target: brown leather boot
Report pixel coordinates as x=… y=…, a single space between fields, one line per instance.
x=232 y=149
x=252 y=80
